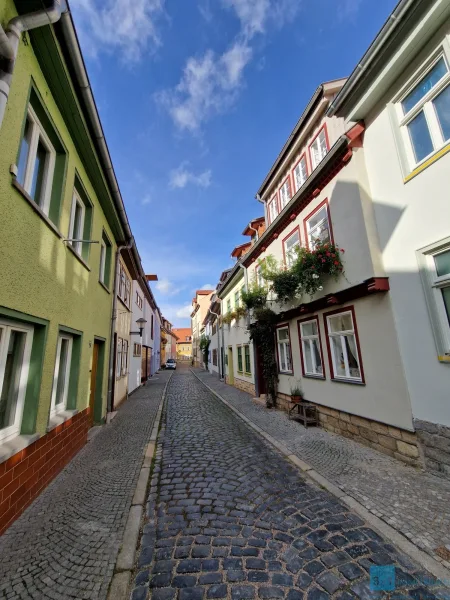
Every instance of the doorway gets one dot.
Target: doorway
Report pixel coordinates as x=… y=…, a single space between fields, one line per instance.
x=95 y=398
x=230 y=366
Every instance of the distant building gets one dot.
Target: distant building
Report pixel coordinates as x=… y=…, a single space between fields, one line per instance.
x=184 y=343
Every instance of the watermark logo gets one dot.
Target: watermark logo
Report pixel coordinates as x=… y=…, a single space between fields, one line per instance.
x=382 y=579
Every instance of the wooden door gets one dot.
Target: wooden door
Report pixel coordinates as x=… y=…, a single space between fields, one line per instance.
x=230 y=367
x=144 y=373
x=93 y=379
x=149 y=362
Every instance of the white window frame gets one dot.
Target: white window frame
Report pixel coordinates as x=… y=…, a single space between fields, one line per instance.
x=425 y=104
x=246 y=349
x=259 y=277
x=290 y=255
x=283 y=351
x=310 y=230
x=102 y=262
x=285 y=191
x=300 y=174
x=341 y=336
x=77 y=235
x=125 y=349
x=322 y=151
x=432 y=286
x=14 y=429
x=309 y=340
x=119 y=358
x=273 y=209
x=62 y=406
x=38 y=132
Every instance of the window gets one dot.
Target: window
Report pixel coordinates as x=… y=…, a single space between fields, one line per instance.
x=76 y=227
x=259 y=277
x=248 y=368
x=119 y=358
x=236 y=298
x=139 y=300
x=137 y=350
x=228 y=305
x=105 y=260
x=285 y=193
x=151 y=328
x=124 y=357
x=15 y=349
x=318 y=148
x=62 y=373
x=317 y=226
x=214 y=357
x=36 y=163
x=214 y=330
x=124 y=286
x=284 y=350
x=290 y=245
x=424 y=112
x=300 y=173
x=434 y=262
x=273 y=209
x=239 y=359
x=311 y=348
x=343 y=345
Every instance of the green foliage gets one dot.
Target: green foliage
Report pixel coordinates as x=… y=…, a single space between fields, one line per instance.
x=262 y=334
x=240 y=311
x=296 y=390
x=228 y=317
x=255 y=297
x=204 y=347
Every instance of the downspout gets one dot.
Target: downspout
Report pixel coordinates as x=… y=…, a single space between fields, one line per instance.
x=255 y=230
x=109 y=400
x=218 y=337
x=258 y=197
x=9 y=44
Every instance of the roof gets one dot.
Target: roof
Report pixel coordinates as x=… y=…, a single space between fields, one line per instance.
x=204 y=292
x=240 y=250
x=253 y=225
x=314 y=101
x=182 y=333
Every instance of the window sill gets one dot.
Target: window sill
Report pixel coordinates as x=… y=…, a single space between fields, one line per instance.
x=78 y=257
x=319 y=377
x=436 y=156
x=351 y=381
x=124 y=303
x=36 y=207
x=285 y=372
x=60 y=417
x=104 y=286
x=16 y=444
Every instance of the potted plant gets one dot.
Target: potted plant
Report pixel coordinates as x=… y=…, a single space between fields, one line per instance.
x=296 y=393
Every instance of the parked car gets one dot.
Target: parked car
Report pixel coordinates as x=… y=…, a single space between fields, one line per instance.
x=171 y=363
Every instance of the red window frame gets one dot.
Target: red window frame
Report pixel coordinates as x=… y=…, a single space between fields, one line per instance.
x=285 y=240
x=311 y=214
x=274 y=199
x=358 y=346
x=288 y=179
x=281 y=326
x=299 y=322
x=327 y=141
x=303 y=155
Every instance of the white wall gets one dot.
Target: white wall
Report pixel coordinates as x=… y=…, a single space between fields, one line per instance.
x=410 y=216
x=134 y=378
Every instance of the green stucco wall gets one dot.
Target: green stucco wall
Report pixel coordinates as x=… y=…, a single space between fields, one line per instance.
x=40 y=275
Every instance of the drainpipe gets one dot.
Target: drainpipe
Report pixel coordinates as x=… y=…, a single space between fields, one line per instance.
x=9 y=44
x=255 y=230
x=109 y=400
x=218 y=339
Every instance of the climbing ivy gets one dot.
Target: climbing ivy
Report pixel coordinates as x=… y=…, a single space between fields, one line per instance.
x=204 y=347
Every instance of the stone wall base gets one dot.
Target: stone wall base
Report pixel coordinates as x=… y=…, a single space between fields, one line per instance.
x=24 y=475
x=435 y=445
x=392 y=441
x=245 y=386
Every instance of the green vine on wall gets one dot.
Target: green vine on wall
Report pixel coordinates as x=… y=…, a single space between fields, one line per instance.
x=204 y=348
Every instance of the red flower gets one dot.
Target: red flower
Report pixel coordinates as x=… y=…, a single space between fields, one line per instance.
x=323 y=260
x=342 y=250
x=329 y=254
x=336 y=262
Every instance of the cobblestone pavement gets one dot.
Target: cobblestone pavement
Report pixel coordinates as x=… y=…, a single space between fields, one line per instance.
x=415 y=503
x=65 y=544
x=233 y=519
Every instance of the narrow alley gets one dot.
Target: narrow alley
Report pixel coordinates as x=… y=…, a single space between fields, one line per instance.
x=235 y=520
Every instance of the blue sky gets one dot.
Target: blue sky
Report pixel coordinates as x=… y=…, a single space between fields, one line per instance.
x=197 y=97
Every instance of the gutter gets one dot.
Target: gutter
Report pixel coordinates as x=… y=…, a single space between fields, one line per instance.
x=10 y=40
x=372 y=52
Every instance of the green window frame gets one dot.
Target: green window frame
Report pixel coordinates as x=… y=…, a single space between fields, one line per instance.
x=248 y=367
x=104 y=275
x=239 y=359
x=228 y=305
x=81 y=217
x=236 y=298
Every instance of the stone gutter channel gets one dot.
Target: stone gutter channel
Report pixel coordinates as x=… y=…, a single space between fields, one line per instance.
x=425 y=560
x=125 y=563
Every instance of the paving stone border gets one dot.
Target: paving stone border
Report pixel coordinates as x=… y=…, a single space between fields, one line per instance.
x=425 y=560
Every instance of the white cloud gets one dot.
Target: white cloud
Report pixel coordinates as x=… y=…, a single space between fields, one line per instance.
x=146 y=200
x=181 y=177
x=164 y=286
x=208 y=86
x=252 y=14
x=184 y=312
x=124 y=25
x=347 y=9
x=207 y=286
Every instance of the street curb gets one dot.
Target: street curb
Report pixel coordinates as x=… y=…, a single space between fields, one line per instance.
x=394 y=536
x=123 y=570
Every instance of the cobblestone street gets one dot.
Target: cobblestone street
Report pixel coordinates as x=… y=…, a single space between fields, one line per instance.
x=229 y=517
x=66 y=543
x=415 y=503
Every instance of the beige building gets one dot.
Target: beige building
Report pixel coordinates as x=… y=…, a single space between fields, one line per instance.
x=122 y=323
x=200 y=305
x=184 y=342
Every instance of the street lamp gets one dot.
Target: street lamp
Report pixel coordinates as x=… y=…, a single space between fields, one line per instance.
x=140 y=323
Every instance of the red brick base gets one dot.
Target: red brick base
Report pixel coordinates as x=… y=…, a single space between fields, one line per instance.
x=25 y=474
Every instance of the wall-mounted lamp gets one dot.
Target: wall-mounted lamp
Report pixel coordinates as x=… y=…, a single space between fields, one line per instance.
x=140 y=323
